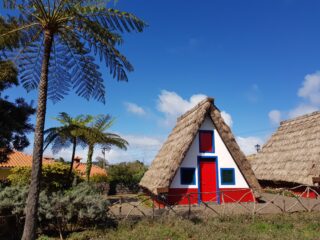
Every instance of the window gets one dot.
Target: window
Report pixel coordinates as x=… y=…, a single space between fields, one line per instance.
x=227 y=176
x=188 y=176
x=206 y=141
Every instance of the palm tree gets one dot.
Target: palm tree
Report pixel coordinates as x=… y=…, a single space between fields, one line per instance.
x=57 y=39
x=96 y=135
x=66 y=135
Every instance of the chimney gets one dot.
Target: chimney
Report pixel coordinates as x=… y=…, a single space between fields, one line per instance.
x=77 y=159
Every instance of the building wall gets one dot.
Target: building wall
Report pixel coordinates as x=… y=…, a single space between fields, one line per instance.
x=224 y=160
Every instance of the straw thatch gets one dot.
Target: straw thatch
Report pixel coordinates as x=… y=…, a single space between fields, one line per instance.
x=165 y=165
x=292 y=154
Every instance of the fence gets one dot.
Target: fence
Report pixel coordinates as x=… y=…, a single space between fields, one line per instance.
x=221 y=203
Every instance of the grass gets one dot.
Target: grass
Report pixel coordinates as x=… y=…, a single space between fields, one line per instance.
x=286 y=226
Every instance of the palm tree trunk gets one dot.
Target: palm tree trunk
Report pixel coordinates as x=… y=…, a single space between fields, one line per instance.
x=73 y=155
x=89 y=162
x=30 y=226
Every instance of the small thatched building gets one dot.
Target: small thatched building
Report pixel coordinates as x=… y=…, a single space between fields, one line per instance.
x=201 y=161
x=291 y=157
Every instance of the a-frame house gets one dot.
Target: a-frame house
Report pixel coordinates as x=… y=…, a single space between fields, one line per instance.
x=201 y=161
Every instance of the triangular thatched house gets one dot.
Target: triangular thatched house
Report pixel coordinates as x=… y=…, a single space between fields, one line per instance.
x=201 y=161
x=291 y=157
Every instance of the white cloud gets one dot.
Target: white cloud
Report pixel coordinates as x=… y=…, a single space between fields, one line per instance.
x=67 y=153
x=309 y=92
x=227 y=118
x=143 y=141
x=247 y=144
x=311 y=88
x=172 y=105
x=275 y=117
x=134 y=108
x=143 y=148
x=301 y=110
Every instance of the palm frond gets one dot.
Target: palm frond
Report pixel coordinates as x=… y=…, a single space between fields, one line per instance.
x=103 y=42
x=59 y=78
x=113 y=19
x=85 y=76
x=59 y=143
x=102 y=122
x=81 y=29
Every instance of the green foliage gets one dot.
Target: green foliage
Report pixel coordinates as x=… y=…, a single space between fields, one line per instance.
x=127 y=175
x=12 y=200
x=95 y=134
x=68 y=133
x=54 y=176
x=98 y=178
x=81 y=206
x=20 y=176
x=14 y=116
x=61 y=211
x=8 y=75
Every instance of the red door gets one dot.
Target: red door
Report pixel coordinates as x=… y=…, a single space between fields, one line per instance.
x=208 y=181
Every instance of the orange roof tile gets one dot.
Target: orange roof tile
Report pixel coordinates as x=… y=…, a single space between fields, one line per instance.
x=95 y=170
x=20 y=159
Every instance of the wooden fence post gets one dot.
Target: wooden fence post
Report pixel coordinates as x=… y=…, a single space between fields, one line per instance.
x=284 y=201
x=152 y=208
x=254 y=205
x=189 y=203
x=120 y=208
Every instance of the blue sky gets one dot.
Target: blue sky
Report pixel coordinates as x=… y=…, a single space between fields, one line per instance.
x=258 y=59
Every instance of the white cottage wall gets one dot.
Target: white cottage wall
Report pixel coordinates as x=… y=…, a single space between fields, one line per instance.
x=225 y=160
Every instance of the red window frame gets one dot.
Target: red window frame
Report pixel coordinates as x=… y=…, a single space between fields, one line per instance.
x=206 y=141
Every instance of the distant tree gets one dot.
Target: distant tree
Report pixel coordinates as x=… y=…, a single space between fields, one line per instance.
x=60 y=159
x=101 y=162
x=96 y=135
x=14 y=126
x=126 y=174
x=14 y=116
x=69 y=134
x=58 y=39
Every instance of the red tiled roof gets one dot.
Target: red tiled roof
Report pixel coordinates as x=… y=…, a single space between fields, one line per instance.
x=95 y=170
x=20 y=159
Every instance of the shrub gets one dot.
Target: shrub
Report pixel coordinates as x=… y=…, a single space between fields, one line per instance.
x=62 y=211
x=81 y=206
x=127 y=175
x=55 y=176
x=99 y=178
x=12 y=200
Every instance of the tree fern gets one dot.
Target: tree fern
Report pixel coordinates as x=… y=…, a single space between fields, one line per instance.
x=57 y=40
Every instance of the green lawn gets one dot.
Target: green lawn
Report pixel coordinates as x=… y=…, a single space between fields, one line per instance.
x=289 y=226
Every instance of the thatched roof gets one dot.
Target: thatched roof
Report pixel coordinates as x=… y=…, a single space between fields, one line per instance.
x=292 y=154
x=165 y=165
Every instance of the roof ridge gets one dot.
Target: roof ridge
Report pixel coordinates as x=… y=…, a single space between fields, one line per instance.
x=300 y=117
x=207 y=99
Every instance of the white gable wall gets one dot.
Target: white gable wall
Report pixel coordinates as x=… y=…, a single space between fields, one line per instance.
x=225 y=160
